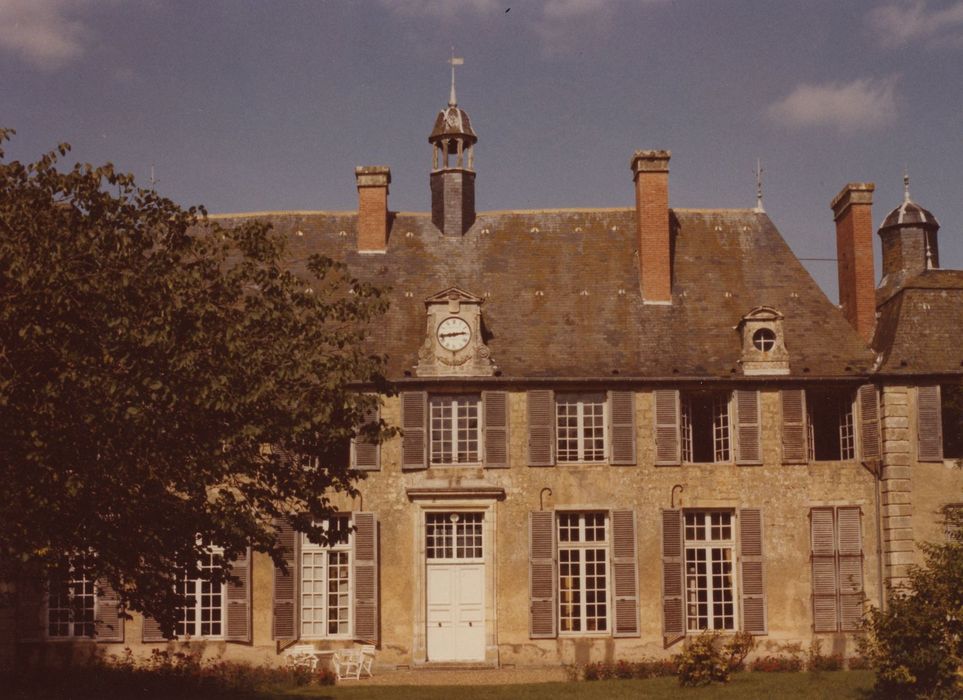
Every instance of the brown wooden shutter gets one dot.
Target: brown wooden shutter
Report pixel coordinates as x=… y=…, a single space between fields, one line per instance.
x=542 y=577
x=285 y=598
x=238 y=628
x=850 y=567
x=753 y=573
x=673 y=604
x=748 y=431
x=496 y=428
x=110 y=623
x=414 y=423
x=869 y=435
x=625 y=574
x=794 y=426
x=151 y=631
x=541 y=428
x=366 y=455
x=366 y=597
x=668 y=438
x=622 y=427
x=825 y=615
x=930 y=424
x=31 y=610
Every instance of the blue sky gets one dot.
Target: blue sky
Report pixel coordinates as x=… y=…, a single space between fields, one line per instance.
x=252 y=106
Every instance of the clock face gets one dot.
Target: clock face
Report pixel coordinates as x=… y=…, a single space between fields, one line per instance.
x=453 y=333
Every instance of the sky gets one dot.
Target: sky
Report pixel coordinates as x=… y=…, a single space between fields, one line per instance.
x=264 y=106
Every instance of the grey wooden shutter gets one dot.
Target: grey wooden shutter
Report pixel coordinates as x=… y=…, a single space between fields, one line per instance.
x=622 y=427
x=625 y=574
x=284 y=624
x=542 y=578
x=151 y=631
x=929 y=425
x=366 y=597
x=850 y=567
x=238 y=628
x=366 y=455
x=825 y=614
x=541 y=428
x=748 y=431
x=673 y=604
x=869 y=435
x=753 y=573
x=414 y=423
x=794 y=445
x=668 y=438
x=31 y=610
x=496 y=428
x=110 y=624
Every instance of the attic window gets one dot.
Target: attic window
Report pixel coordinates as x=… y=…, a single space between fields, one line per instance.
x=764 y=339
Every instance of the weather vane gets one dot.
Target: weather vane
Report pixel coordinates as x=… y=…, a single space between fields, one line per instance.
x=759 y=172
x=454 y=61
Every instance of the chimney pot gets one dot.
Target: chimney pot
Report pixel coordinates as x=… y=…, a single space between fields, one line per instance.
x=373 y=181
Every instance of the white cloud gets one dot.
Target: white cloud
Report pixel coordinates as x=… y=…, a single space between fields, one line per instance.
x=846 y=106
x=905 y=22
x=444 y=9
x=45 y=33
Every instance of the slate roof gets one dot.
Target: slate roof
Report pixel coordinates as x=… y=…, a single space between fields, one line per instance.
x=920 y=327
x=562 y=294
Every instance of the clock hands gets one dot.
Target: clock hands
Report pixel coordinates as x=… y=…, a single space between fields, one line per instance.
x=450 y=335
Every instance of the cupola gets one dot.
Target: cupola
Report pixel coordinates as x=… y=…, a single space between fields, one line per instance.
x=909 y=241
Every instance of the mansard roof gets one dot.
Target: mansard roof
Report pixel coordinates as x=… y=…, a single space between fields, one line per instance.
x=562 y=296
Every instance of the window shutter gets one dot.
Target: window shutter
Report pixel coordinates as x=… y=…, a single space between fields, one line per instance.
x=285 y=599
x=414 y=410
x=825 y=617
x=869 y=435
x=151 y=631
x=794 y=426
x=238 y=596
x=668 y=441
x=542 y=578
x=673 y=607
x=496 y=428
x=366 y=455
x=850 y=578
x=366 y=578
x=753 y=574
x=748 y=449
x=110 y=624
x=541 y=428
x=622 y=427
x=625 y=574
x=31 y=611
x=930 y=423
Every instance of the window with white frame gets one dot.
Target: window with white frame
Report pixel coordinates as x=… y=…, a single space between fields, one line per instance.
x=706 y=430
x=832 y=434
x=71 y=606
x=580 y=427
x=709 y=570
x=455 y=428
x=454 y=536
x=203 y=612
x=583 y=572
x=326 y=583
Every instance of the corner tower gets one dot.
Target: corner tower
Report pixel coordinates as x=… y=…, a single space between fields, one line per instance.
x=452 y=166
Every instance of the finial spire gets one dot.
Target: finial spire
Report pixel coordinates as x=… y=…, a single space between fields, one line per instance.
x=452 y=100
x=759 y=172
x=906 y=194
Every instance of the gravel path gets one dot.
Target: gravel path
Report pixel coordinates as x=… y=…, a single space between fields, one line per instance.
x=484 y=676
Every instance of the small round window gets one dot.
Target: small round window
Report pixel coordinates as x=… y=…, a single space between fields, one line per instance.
x=764 y=339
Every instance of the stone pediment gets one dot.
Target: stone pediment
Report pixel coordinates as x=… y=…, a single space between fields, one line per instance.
x=453 y=294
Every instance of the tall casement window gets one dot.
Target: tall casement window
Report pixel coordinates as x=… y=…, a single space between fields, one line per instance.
x=580 y=427
x=940 y=422
x=829 y=420
x=583 y=574
x=837 y=568
x=705 y=426
x=705 y=586
x=819 y=424
x=326 y=583
x=203 y=613
x=71 y=606
x=454 y=429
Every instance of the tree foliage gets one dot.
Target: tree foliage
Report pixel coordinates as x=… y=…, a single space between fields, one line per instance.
x=147 y=356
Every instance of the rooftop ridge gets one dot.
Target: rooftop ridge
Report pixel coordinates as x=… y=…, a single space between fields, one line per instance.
x=493 y=212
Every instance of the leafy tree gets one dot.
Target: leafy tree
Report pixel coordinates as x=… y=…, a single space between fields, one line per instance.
x=147 y=356
x=916 y=644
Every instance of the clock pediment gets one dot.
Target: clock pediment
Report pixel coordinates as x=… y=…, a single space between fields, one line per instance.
x=453 y=294
x=454 y=344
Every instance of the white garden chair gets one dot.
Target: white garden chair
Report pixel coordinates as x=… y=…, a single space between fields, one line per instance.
x=351 y=664
x=302 y=656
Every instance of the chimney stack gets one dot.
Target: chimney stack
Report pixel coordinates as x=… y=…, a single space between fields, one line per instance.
x=853 y=213
x=651 y=174
x=373 y=181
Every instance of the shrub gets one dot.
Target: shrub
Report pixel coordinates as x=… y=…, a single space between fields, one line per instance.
x=820 y=662
x=647 y=668
x=859 y=663
x=776 y=664
x=707 y=659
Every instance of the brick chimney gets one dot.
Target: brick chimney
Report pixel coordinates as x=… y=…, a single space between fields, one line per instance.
x=853 y=213
x=373 y=181
x=651 y=174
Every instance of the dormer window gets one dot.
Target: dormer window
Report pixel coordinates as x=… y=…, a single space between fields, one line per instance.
x=763 y=342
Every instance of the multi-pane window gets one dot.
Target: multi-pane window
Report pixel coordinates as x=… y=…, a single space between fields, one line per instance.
x=70 y=606
x=832 y=434
x=326 y=583
x=583 y=578
x=709 y=570
x=455 y=428
x=706 y=434
x=203 y=611
x=580 y=427
x=951 y=415
x=451 y=536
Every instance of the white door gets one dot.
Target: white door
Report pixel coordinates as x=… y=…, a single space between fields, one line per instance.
x=456 y=612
